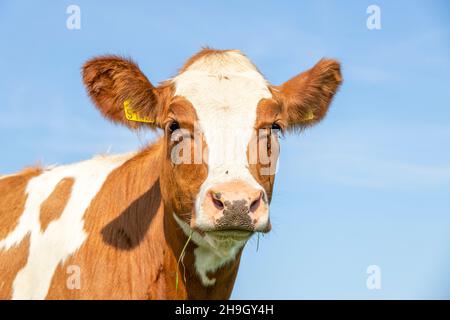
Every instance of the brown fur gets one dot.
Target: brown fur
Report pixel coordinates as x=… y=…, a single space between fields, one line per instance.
x=110 y=80
x=11 y=262
x=181 y=183
x=269 y=111
x=307 y=96
x=13 y=198
x=53 y=206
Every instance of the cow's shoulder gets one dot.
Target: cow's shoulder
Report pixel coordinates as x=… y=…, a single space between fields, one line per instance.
x=125 y=247
x=41 y=220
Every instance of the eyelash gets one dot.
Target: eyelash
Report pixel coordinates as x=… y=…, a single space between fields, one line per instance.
x=276 y=126
x=279 y=130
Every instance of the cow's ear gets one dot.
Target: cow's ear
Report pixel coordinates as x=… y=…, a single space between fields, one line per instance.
x=306 y=97
x=121 y=91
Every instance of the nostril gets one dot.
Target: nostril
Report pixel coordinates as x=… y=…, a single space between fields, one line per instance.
x=219 y=204
x=215 y=197
x=255 y=204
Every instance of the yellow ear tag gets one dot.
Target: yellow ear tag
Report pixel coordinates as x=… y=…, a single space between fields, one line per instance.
x=131 y=115
x=309 y=116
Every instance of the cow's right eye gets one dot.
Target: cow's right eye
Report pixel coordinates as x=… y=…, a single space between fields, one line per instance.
x=173 y=126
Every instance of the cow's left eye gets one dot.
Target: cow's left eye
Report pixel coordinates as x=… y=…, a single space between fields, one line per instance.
x=276 y=126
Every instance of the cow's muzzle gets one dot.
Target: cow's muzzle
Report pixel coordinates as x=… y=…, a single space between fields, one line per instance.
x=235 y=206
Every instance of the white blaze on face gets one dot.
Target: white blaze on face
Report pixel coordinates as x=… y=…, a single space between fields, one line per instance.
x=224 y=89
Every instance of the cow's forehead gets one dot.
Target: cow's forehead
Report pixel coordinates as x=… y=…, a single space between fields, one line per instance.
x=216 y=61
x=223 y=86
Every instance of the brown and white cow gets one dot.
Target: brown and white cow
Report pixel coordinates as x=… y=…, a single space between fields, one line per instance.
x=115 y=226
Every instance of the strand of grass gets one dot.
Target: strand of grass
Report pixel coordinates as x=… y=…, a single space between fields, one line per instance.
x=180 y=259
x=257 y=243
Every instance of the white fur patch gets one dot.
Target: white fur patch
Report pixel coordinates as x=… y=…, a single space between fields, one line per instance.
x=224 y=89
x=210 y=254
x=63 y=236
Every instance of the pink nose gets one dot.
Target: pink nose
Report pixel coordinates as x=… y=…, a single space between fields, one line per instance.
x=237 y=206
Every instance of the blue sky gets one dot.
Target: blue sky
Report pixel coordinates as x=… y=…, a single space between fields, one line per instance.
x=370 y=185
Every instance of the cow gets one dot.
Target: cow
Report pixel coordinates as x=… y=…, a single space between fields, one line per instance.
x=144 y=225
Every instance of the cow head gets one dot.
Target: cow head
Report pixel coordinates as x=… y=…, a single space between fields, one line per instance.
x=221 y=120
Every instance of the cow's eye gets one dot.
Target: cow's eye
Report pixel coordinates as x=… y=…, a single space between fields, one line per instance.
x=173 y=126
x=276 y=126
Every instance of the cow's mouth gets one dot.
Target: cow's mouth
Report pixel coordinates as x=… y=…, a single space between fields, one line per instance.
x=231 y=234
x=226 y=241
